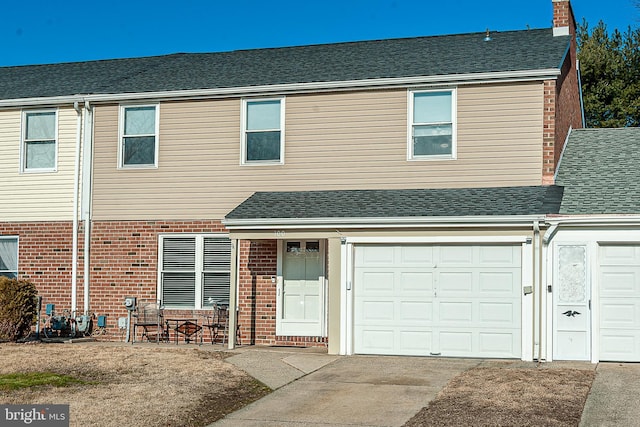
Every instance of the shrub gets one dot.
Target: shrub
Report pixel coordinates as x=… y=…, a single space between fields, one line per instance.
x=18 y=307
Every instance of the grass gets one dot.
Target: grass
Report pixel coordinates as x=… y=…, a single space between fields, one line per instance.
x=509 y=397
x=113 y=384
x=20 y=380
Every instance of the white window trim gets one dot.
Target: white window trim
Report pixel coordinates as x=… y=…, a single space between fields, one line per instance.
x=243 y=133
x=454 y=126
x=121 y=135
x=17 y=240
x=23 y=142
x=199 y=251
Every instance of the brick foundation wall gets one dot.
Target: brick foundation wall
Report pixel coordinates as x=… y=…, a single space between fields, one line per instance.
x=45 y=256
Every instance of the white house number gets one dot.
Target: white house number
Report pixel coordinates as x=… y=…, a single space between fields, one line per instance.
x=280 y=233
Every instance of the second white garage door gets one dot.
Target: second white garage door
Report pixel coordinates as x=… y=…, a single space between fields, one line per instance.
x=448 y=300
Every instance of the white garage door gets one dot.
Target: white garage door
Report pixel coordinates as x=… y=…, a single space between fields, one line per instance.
x=448 y=300
x=619 y=307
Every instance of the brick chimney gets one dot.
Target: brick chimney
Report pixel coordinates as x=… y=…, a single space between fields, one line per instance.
x=564 y=23
x=562 y=107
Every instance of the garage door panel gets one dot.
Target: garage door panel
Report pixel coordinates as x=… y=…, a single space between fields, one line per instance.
x=619 y=281
x=373 y=311
x=503 y=283
x=619 y=255
x=415 y=342
x=455 y=256
x=416 y=282
x=416 y=311
x=445 y=301
x=499 y=256
x=455 y=312
x=454 y=282
x=620 y=314
x=494 y=314
x=620 y=345
x=498 y=343
x=415 y=255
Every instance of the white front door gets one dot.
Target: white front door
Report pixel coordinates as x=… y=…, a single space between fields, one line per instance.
x=300 y=304
x=572 y=303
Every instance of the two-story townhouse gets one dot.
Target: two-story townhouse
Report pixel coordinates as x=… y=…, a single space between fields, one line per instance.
x=383 y=197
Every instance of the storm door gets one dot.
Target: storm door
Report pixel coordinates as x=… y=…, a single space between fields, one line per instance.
x=300 y=304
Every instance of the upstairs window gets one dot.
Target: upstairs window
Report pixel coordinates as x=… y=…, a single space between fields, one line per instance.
x=39 y=141
x=139 y=136
x=195 y=270
x=433 y=128
x=262 y=133
x=9 y=257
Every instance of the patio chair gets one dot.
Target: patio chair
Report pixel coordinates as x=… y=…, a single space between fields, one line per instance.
x=220 y=328
x=149 y=317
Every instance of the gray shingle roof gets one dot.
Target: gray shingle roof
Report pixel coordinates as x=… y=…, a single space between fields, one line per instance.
x=392 y=58
x=400 y=203
x=600 y=170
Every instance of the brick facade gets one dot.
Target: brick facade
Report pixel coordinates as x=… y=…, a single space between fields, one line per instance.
x=124 y=262
x=45 y=257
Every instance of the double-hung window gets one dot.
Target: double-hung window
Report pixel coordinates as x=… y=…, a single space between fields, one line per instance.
x=432 y=128
x=39 y=141
x=195 y=270
x=138 y=136
x=9 y=257
x=263 y=131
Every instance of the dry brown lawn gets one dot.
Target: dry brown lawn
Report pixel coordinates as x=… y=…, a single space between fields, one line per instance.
x=133 y=385
x=509 y=397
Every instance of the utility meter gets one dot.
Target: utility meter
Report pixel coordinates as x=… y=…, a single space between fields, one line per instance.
x=130 y=303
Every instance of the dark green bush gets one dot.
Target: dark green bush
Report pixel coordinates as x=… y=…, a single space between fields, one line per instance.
x=18 y=308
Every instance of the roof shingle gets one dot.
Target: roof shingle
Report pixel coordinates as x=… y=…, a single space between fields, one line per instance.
x=391 y=58
x=600 y=172
x=500 y=201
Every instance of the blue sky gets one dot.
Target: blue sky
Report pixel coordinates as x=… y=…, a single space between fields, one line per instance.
x=47 y=31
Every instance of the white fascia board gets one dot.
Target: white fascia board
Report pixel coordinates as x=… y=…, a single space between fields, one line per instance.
x=440 y=239
x=400 y=222
x=424 y=81
x=591 y=220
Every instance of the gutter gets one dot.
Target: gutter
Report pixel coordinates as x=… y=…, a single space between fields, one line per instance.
x=76 y=203
x=380 y=83
x=375 y=222
x=86 y=200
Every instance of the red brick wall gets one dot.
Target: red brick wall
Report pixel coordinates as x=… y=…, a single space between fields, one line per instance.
x=45 y=259
x=562 y=109
x=257 y=297
x=124 y=262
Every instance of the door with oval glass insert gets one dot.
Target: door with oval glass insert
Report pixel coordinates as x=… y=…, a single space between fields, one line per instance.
x=300 y=304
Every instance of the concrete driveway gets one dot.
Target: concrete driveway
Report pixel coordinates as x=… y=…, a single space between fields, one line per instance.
x=313 y=388
x=346 y=391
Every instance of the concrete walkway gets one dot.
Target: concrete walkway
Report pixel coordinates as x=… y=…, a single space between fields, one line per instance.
x=313 y=388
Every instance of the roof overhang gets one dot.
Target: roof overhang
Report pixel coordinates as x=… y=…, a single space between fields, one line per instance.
x=377 y=223
x=382 y=83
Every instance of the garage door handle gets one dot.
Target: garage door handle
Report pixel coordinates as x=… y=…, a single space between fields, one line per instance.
x=435 y=354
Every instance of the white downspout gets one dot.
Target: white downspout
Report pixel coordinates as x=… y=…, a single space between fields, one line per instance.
x=86 y=200
x=76 y=195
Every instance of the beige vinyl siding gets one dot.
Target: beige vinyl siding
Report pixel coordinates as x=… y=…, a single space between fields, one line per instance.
x=45 y=196
x=342 y=140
